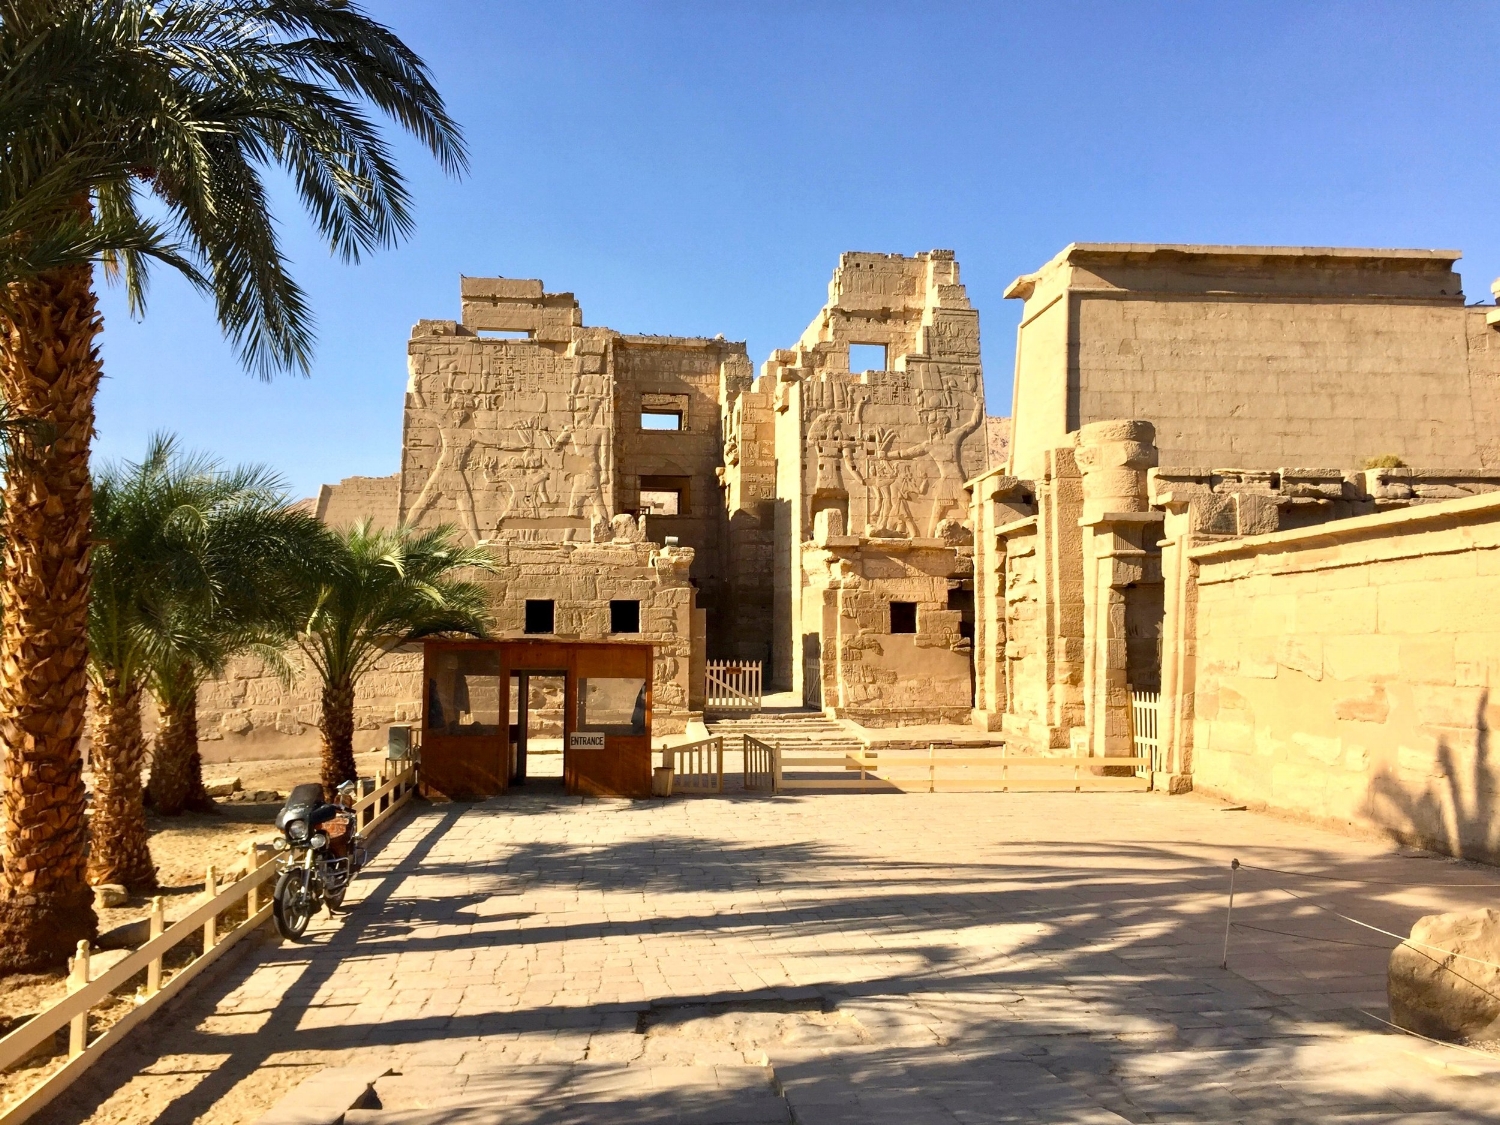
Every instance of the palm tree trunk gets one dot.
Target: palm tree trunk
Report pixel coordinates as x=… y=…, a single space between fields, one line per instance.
x=198 y=799
x=337 y=724
x=172 y=757
x=176 y=766
x=49 y=371
x=119 y=845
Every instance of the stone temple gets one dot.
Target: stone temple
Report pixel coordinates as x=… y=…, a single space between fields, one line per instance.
x=1250 y=488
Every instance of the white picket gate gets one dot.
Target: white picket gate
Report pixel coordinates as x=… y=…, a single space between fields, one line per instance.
x=732 y=685
x=1145 y=708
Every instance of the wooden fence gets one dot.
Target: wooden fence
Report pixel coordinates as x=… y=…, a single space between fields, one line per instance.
x=377 y=811
x=697 y=767
x=952 y=770
x=732 y=685
x=1145 y=710
x=759 y=769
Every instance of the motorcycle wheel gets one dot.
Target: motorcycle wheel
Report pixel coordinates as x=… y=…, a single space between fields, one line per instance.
x=292 y=905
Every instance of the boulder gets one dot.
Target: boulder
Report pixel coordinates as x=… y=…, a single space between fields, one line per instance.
x=222 y=786
x=1442 y=996
x=110 y=894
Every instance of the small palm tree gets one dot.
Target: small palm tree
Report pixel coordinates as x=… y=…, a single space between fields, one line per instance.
x=146 y=562
x=250 y=545
x=111 y=110
x=374 y=591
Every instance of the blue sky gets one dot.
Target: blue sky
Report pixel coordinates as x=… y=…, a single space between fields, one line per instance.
x=698 y=168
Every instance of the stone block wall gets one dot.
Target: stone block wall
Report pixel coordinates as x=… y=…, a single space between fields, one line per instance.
x=248 y=713
x=1345 y=672
x=1258 y=356
x=869 y=673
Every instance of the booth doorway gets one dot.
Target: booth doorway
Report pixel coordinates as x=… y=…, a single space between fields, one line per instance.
x=537 y=701
x=493 y=709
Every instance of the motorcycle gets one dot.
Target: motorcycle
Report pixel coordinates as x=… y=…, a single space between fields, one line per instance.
x=323 y=853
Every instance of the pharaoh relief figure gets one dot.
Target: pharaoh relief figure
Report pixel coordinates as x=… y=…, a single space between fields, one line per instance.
x=449 y=478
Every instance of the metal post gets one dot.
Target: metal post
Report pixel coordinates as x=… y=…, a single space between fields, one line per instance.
x=78 y=1026
x=158 y=927
x=1234 y=865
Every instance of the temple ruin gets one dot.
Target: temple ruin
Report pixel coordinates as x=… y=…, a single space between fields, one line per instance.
x=1189 y=423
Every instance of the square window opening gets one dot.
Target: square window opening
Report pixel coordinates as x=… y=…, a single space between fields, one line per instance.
x=624 y=616
x=539 y=615
x=661 y=420
x=867 y=357
x=665 y=496
x=903 y=617
x=505 y=334
x=661 y=502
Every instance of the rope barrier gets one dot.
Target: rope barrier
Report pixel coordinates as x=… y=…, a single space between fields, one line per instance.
x=1418 y=1035
x=1493 y=886
x=1310 y=937
x=1235 y=865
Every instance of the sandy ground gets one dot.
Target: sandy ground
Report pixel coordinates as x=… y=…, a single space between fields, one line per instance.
x=183 y=848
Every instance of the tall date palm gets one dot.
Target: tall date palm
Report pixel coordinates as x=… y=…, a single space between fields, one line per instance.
x=111 y=110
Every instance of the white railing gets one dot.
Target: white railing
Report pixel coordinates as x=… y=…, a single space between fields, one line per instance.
x=732 y=685
x=759 y=764
x=1145 y=710
x=953 y=769
x=697 y=767
x=377 y=810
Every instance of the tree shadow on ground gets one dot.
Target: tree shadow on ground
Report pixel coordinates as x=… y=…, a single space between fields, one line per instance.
x=1094 y=964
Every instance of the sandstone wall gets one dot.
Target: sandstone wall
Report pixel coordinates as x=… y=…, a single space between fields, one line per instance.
x=868 y=672
x=377 y=499
x=1344 y=673
x=1257 y=356
x=887 y=452
x=249 y=714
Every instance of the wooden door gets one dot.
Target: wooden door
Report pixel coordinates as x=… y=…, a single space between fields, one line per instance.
x=464 y=743
x=609 y=700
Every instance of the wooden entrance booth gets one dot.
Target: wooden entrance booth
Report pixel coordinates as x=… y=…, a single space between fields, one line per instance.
x=471 y=749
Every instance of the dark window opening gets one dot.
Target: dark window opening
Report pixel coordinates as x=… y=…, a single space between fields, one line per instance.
x=963 y=601
x=661 y=420
x=867 y=357
x=903 y=617
x=539 y=615
x=625 y=616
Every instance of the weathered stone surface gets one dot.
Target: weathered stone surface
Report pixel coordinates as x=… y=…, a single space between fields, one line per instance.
x=1437 y=983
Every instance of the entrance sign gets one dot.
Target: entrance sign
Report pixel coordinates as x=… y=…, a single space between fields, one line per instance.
x=586 y=740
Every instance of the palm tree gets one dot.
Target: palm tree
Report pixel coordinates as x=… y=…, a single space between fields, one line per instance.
x=110 y=109
x=145 y=561
x=250 y=545
x=377 y=590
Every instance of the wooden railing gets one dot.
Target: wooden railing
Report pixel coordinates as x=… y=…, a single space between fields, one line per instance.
x=1145 y=709
x=953 y=770
x=732 y=685
x=376 y=811
x=759 y=764
x=697 y=767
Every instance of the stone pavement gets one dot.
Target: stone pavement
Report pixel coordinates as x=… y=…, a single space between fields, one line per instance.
x=865 y=958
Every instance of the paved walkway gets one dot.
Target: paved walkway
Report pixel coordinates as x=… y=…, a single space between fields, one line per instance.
x=912 y=959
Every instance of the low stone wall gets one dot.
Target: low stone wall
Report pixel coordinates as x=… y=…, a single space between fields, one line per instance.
x=248 y=714
x=1344 y=673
